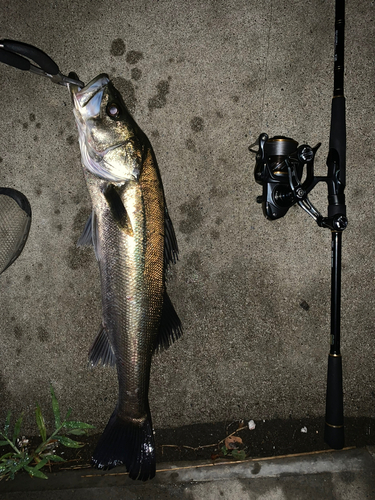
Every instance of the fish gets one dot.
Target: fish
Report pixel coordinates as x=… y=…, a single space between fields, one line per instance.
x=134 y=243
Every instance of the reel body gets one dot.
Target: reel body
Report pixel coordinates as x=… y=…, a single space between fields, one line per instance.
x=279 y=169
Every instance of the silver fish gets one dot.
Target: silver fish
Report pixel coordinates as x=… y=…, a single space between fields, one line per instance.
x=134 y=242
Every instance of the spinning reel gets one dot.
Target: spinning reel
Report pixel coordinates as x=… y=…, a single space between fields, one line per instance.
x=279 y=169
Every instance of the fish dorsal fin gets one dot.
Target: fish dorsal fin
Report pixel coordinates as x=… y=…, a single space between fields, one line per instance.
x=170 y=326
x=170 y=242
x=118 y=210
x=101 y=351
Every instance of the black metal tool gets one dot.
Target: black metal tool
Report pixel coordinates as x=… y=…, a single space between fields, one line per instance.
x=19 y=54
x=279 y=168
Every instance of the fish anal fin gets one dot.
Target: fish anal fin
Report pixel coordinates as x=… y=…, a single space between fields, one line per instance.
x=170 y=326
x=101 y=351
x=118 y=210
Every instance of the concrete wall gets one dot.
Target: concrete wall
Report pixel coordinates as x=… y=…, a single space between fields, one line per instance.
x=203 y=79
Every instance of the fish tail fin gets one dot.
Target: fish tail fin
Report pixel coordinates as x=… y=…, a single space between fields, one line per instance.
x=128 y=443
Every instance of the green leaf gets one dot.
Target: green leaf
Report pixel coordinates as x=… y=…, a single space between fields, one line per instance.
x=55 y=408
x=68 y=414
x=33 y=471
x=17 y=428
x=239 y=455
x=72 y=424
x=69 y=443
x=224 y=450
x=41 y=464
x=3 y=443
x=49 y=443
x=7 y=423
x=55 y=458
x=15 y=466
x=26 y=460
x=41 y=423
x=77 y=432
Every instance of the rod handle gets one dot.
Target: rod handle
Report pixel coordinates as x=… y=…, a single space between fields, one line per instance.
x=337 y=139
x=334 y=426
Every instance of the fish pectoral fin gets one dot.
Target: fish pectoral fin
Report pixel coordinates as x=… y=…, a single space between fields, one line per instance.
x=89 y=235
x=101 y=350
x=85 y=239
x=118 y=210
x=170 y=242
x=170 y=326
x=95 y=237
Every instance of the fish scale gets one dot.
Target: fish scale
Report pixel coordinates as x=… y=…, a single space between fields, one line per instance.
x=134 y=242
x=124 y=275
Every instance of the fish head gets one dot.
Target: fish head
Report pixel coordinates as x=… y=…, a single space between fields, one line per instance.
x=108 y=135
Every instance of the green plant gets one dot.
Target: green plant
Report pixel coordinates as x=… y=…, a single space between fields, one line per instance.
x=233 y=446
x=33 y=461
x=236 y=454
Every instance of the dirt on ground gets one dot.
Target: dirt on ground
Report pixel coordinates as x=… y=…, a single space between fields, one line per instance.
x=229 y=441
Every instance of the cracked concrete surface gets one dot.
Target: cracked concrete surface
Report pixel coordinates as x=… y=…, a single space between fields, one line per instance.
x=203 y=80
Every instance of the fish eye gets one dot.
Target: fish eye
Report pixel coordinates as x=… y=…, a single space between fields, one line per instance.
x=113 y=110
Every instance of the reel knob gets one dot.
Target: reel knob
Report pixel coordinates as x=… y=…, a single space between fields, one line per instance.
x=305 y=154
x=340 y=222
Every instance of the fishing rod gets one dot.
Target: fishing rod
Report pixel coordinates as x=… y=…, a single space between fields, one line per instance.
x=279 y=168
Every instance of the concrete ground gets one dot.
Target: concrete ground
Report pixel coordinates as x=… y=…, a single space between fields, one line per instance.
x=203 y=79
x=344 y=475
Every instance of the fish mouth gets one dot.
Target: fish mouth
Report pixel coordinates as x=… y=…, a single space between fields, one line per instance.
x=87 y=101
x=89 y=96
